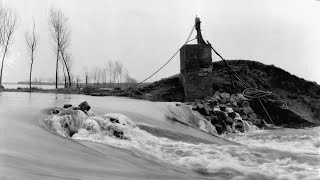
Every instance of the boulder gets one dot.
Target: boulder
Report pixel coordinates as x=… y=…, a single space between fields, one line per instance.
x=55 y=111
x=202 y=107
x=70 y=125
x=229 y=120
x=213 y=119
x=207 y=108
x=241 y=98
x=221 y=115
x=67 y=105
x=238 y=117
x=238 y=125
x=223 y=101
x=229 y=129
x=246 y=110
x=225 y=96
x=229 y=110
x=222 y=107
x=84 y=106
x=232 y=115
x=244 y=117
x=234 y=99
x=214 y=101
x=245 y=104
x=220 y=128
x=113 y=120
x=118 y=134
x=216 y=94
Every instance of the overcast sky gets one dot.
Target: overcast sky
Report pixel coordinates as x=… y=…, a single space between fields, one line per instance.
x=143 y=34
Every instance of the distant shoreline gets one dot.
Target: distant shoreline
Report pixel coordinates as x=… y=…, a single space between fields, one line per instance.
x=36 y=83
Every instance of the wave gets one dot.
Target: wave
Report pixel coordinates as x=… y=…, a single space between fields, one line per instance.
x=222 y=161
x=292 y=140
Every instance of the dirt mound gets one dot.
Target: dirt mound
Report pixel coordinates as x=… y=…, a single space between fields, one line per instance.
x=301 y=96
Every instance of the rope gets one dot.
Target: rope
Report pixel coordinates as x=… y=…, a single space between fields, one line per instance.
x=188 y=40
x=251 y=92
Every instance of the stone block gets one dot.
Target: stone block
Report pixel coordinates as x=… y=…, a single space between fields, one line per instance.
x=196 y=71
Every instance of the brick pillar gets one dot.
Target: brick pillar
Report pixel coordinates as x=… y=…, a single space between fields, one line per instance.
x=196 y=71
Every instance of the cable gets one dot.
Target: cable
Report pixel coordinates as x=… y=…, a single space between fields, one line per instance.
x=167 y=61
x=251 y=92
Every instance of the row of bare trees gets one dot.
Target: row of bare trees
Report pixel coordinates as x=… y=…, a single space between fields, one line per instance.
x=60 y=32
x=112 y=73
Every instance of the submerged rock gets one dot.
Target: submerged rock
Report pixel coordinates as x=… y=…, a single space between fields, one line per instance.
x=118 y=134
x=55 y=111
x=232 y=115
x=238 y=125
x=225 y=96
x=67 y=105
x=75 y=108
x=84 y=106
x=113 y=120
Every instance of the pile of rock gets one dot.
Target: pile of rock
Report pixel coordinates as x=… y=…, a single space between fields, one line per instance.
x=228 y=113
x=85 y=107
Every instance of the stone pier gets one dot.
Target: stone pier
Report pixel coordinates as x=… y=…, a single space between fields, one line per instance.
x=196 y=71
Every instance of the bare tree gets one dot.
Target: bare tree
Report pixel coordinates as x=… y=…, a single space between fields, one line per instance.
x=86 y=74
x=64 y=74
x=110 y=69
x=128 y=79
x=32 y=41
x=1 y=26
x=66 y=60
x=118 y=71
x=8 y=25
x=61 y=33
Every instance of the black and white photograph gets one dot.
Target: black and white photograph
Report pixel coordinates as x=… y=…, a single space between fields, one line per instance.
x=159 y=90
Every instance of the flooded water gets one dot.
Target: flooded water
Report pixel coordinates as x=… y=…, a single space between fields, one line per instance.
x=15 y=86
x=34 y=145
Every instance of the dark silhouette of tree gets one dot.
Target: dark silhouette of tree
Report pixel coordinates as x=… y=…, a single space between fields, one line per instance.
x=61 y=34
x=8 y=25
x=66 y=62
x=32 y=42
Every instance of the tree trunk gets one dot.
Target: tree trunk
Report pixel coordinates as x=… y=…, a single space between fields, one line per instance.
x=57 y=69
x=64 y=75
x=30 y=71
x=4 y=54
x=69 y=78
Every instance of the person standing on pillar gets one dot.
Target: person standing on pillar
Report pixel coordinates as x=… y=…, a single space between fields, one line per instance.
x=199 y=35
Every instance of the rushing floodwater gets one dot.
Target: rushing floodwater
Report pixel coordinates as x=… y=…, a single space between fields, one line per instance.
x=30 y=149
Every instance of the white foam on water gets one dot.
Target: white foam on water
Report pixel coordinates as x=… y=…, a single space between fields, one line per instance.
x=291 y=140
x=229 y=161
x=249 y=127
